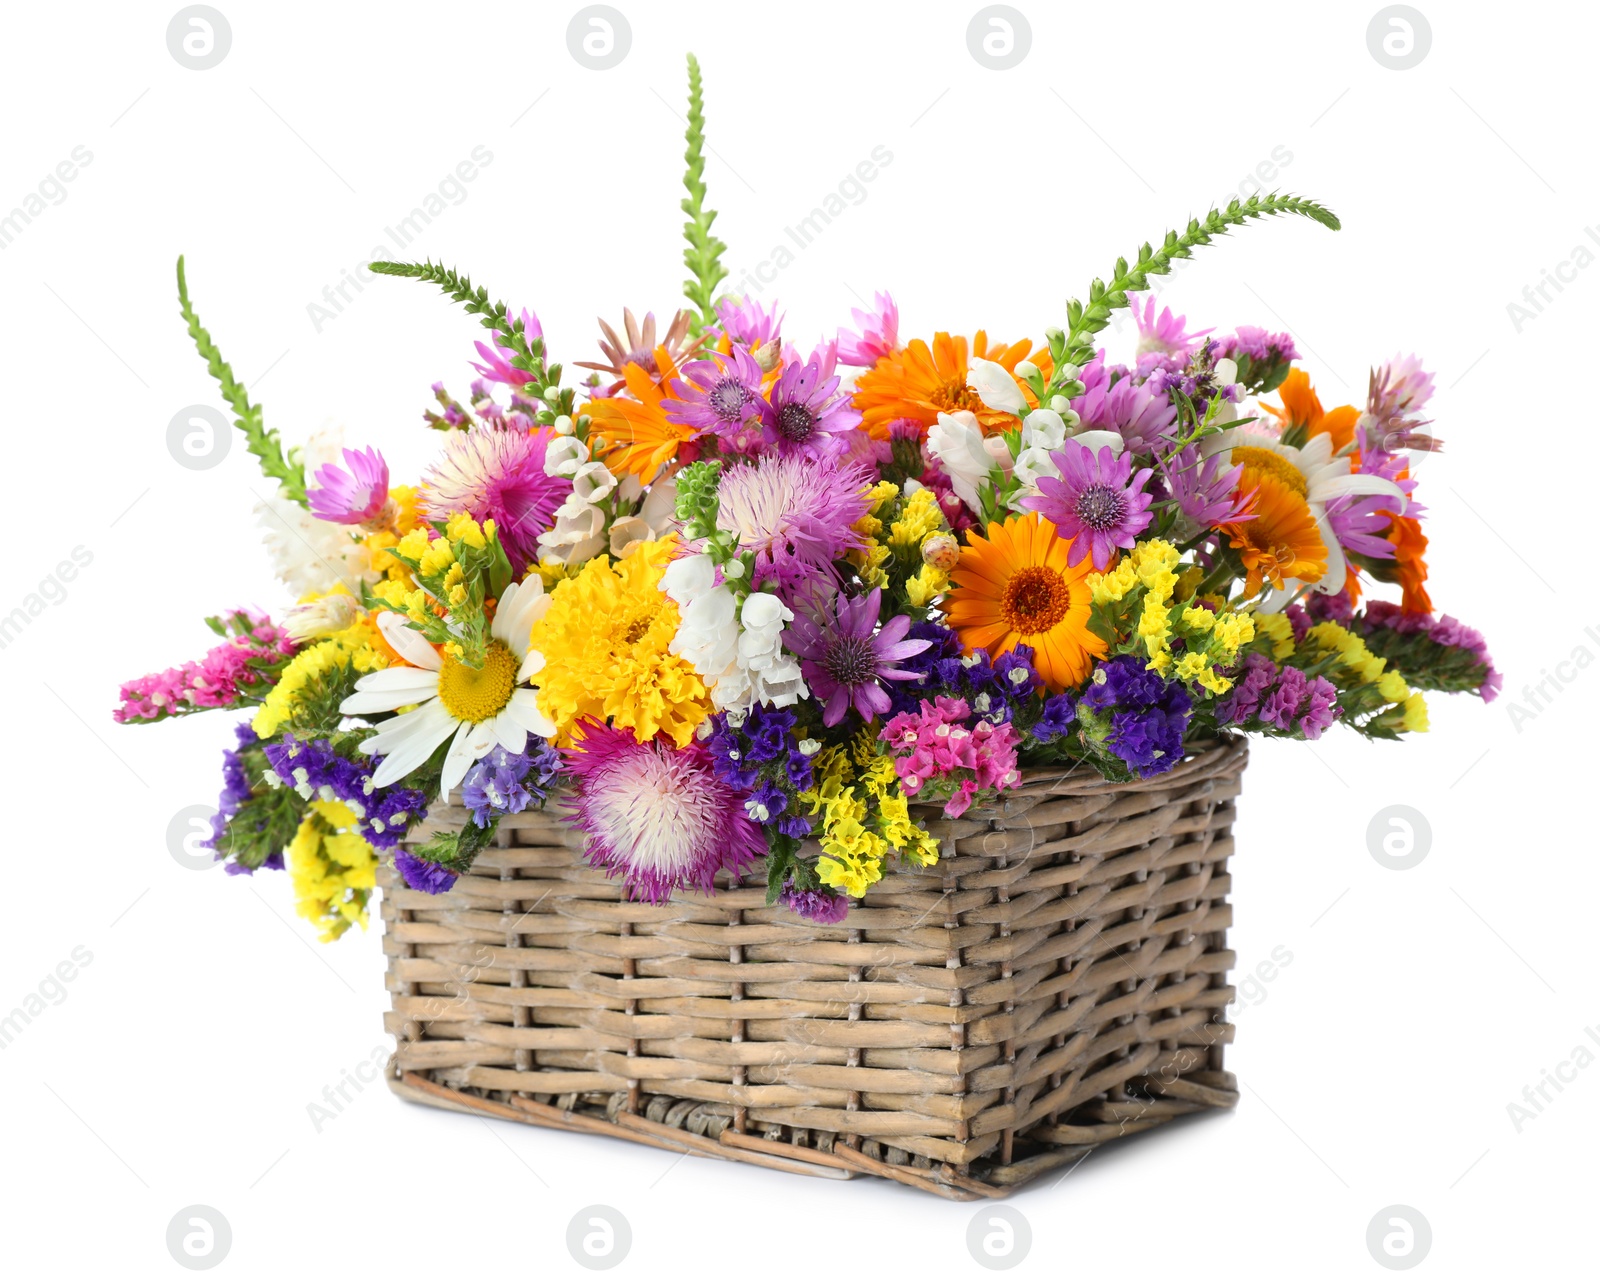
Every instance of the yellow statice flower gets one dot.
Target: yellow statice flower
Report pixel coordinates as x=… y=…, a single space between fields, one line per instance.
x=607 y=631
x=331 y=869
x=1154 y=624
x=359 y=647
x=927 y=585
x=1199 y=619
x=1154 y=561
x=1392 y=687
x=1352 y=650
x=920 y=519
x=1115 y=585
x=1416 y=719
x=1276 y=627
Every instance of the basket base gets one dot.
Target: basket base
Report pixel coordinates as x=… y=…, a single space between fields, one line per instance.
x=1152 y=1102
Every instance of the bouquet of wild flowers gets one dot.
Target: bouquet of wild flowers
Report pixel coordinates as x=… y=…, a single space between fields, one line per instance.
x=740 y=601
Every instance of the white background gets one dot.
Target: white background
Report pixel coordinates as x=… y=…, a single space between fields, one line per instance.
x=1376 y=1066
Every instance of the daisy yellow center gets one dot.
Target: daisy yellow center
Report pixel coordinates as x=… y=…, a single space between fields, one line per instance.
x=1035 y=599
x=1265 y=461
x=473 y=696
x=956 y=396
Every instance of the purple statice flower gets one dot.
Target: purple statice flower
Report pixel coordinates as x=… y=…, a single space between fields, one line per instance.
x=995 y=689
x=821 y=905
x=759 y=755
x=796 y=513
x=496 y=365
x=1280 y=697
x=1207 y=494
x=503 y=783
x=1098 y=502
x=314 y=770
x=804 y=411
x=846 y=658
x=423 y=875
x=718 y=394
x=1058 y=719
x=352 y=496
x=1135 y=715
x=876 y=334
x=235 y=784
x=1444 y=631
x=747 y=323
x=1141 y=414
x=1257 y=345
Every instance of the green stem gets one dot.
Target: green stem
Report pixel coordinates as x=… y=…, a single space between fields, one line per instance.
x=703 y=257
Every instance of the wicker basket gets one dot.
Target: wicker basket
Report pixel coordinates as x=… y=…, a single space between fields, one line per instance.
x=1056 y=981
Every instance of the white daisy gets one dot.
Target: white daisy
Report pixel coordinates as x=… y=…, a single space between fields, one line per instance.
x=482 y=708
x=1315 y=473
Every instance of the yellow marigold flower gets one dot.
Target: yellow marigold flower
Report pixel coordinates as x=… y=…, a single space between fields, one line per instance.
x=331 y=870
x=1275 y=625
x=607 y=632
x=1416 y=719
x=1199 y=618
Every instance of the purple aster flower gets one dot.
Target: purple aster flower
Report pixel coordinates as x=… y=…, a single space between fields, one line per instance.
x=718 y=394
x=746 y=321
x=1164 y=342
x=796 y=513
x=354 y=496
x=822 y=905
x=1094 y=502
x=496 y=364
x=1141 y=415
x=1207 y=494
x=804 y=411
x=877 y=333
x=423 y=875
x=503 y=783
x=845 y=661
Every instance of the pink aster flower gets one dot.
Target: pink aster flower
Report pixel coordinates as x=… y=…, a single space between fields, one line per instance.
x=877 y=333
x=718 y=394
x=805 y=412
x=1095 y=502
x=498 y=473
x=1165 y=333
x=796 y=513
x=845 y=657
x=496 y=365
x=747 y=322
x=1141 y=416
x=353 y=497
x=658 y=817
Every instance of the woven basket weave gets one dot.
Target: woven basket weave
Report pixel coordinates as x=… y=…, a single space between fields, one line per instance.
x=1056 y=981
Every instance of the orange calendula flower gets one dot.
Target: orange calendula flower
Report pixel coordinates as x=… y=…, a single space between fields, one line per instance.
x=1303 y=410
x=1282 y=541
x=921 y=381
x=639 y=438
x=1016 y=587
x=1410 y=544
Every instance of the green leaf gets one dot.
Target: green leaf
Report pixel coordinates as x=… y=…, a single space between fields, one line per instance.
x=262 y=443
x=1085 y=321
x=703 y=256
x=778 y=862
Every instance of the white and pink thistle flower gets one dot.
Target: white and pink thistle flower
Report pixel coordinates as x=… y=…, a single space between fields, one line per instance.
x=658 y=817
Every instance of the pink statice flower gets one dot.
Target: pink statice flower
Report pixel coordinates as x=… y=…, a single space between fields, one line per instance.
x=846 y=657
x=936 y=754
x=1098 y=502
x=235 y=672
x=354 y=496
x=496 y=365
x=658 y=817
x=876 y=334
